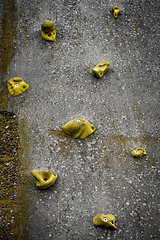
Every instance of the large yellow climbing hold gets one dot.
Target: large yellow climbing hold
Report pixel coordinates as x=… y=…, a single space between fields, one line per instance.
x=99 y=70
x=102 y=220
x=17 y=86
x=115 y=11
x=48 y=30
x=44 y=179
x=78 y=128
x=139 y=152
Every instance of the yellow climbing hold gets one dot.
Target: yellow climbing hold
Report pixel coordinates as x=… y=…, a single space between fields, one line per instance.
x=44 y=179
x=78 y=128
x=48 y=30
x=115 y=11
x=102 y=220
x=17 y=86
x=99 y=70
x=139 y=152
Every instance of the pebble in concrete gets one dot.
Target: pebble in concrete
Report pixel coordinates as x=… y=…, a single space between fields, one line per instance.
x=48 y=30
x=44 y=179
x=17 y=86
x=100 y=69
x=79 y=128
x=115 y=11
x=102 y=220
x=139 y=152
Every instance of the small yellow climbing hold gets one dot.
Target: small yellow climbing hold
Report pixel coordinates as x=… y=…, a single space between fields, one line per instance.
x=17 y=86
x=102 y=220
x=44 y=179
x=139 y=152
x=99 y=70
x=78 y=128
x=48 y=30
x=115 y=11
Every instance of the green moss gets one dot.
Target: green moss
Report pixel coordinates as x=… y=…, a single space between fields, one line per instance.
x=6 y=158
x=14 y=195
x=111 y=32
x=76 y=30
x=7 y=42
x=137 y=32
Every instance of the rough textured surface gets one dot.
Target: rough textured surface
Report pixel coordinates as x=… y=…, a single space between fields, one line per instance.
x=15 y=204
x=98 y=174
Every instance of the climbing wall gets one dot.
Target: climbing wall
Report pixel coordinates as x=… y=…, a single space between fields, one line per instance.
x=97 y=174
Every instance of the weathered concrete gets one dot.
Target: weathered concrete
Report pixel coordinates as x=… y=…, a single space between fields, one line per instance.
x=98 y=174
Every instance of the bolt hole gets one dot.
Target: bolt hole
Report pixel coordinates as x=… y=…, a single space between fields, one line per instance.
x=49 y=35
x=92 y=127
x=45 y=180
x=105 y=219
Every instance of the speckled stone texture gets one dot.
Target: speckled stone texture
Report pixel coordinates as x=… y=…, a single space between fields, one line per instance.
x=97 y=174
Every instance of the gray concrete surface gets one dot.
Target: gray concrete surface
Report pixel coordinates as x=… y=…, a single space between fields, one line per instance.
x=98 y=174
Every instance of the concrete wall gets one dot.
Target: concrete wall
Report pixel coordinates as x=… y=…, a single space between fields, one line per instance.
x=98 y=174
